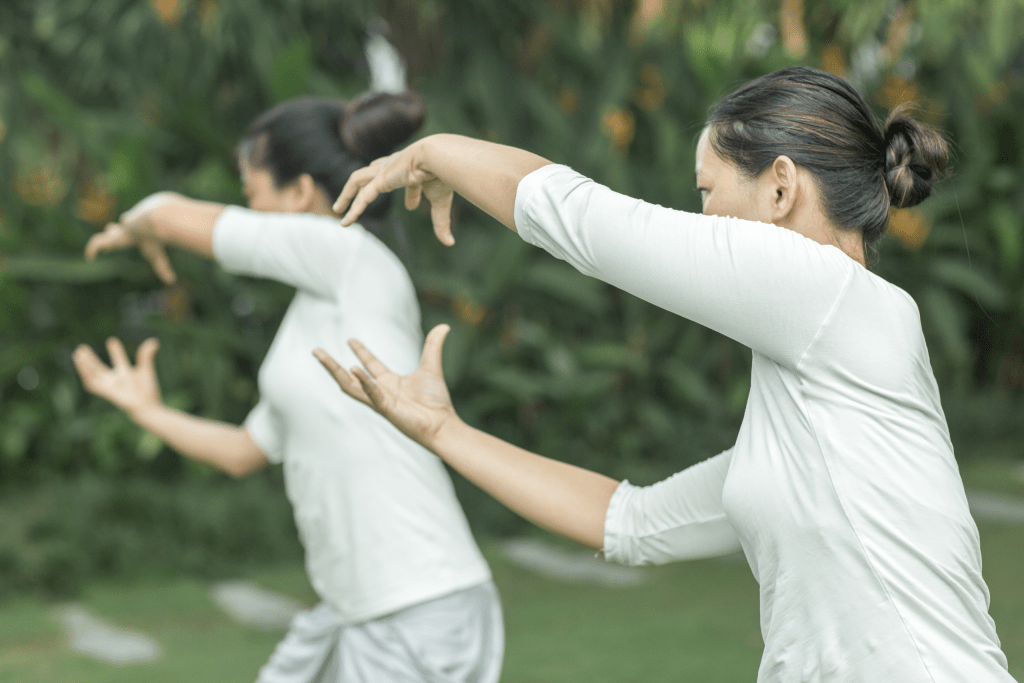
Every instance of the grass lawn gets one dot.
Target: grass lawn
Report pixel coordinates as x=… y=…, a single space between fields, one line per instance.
x=693 y=621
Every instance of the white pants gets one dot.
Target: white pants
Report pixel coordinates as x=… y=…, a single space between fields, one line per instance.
x=457 y=638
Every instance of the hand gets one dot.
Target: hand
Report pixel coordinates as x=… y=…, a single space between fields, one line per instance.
x=136 y=229
x=402 y=169
x=133 y=389
x=418 y=404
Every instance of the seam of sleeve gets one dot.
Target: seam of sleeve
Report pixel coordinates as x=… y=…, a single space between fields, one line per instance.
x=612 y=516
x=525 y=192
x=827 y=319
x=228 y=248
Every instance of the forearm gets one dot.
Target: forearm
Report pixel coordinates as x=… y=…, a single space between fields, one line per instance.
x=485 y=173
x=186 y=223
x=562 y=498
x=219 y=444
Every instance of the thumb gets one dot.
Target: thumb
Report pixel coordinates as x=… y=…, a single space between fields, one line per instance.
x=432 y=347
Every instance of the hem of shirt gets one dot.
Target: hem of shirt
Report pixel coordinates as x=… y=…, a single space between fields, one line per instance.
x=225 y=245
x=612 y=550
x=408 y=599
x=524 y=192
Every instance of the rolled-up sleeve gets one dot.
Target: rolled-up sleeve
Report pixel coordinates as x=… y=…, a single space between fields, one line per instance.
x=306 y=251
x=680 y=518
x=767 y=287
x=265 y=427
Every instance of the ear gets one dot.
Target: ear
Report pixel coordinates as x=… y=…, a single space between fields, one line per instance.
x=784 y=184
x=303 y=195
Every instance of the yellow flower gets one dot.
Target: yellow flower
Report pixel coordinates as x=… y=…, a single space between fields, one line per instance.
x=95 y=204
x=909 y=227
x=792 y=27
x=40 y=186
x=468 y=311
x=169 y=11
x=832 y=60
x=895 y=91
x=619 y=126
x=650 y=94
x=569 y=100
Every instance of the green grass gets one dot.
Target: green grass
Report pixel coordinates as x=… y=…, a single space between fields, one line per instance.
x=691 y=621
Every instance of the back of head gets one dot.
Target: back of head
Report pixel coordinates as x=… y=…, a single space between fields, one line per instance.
x=823 y=124
x=329 y=139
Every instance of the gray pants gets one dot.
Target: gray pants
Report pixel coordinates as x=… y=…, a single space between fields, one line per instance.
x=457 y=638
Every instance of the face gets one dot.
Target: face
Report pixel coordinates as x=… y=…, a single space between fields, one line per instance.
x=263 y=195
x=723 y=189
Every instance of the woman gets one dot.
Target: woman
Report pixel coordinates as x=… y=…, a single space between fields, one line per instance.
x=841 y=489
x=406 y=594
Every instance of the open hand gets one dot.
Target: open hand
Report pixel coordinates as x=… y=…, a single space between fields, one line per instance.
x=418 y=403
x=401 y=169
x=136 y=229
x=130 y=388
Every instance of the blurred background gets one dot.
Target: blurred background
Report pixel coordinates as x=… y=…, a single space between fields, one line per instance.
x=105 y=101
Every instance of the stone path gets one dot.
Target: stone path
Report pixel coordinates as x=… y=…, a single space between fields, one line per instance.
x=248 y=604
x=93 y=637
x=569 y=566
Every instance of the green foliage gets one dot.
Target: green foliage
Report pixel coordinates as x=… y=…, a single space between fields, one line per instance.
x=55 y=537
x=105 y=101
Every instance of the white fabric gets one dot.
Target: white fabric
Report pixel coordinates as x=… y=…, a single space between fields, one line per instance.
x=841 y=487
x=376 y=512
x=457 y=638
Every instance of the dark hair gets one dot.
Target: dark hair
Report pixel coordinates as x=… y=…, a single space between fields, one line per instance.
x=329 y=139
x=820 y=122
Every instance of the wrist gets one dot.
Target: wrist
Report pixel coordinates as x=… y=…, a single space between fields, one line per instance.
x=451 y=432
x=145 y=414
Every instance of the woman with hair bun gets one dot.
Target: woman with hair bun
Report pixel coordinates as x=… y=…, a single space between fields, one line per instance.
x=406 y=594
x=841 y=488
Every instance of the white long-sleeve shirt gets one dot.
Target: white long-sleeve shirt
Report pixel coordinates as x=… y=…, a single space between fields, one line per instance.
x=376 y=512
x=841 y=488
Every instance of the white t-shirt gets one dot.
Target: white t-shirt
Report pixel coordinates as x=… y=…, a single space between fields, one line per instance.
x=841 y=488
x=376 y=512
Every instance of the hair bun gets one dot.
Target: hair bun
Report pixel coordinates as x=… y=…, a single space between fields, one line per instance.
x=916 y=155
x=374 y=124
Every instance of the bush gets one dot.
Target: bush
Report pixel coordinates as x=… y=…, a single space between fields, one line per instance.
x=54 y=537
x=104 y=101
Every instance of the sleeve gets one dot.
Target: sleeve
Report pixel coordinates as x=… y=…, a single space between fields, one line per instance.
x=266 y=429
x=680 y=518
x=309 y=252
x=767 y=287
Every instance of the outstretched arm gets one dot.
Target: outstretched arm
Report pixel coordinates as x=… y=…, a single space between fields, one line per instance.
x=159 y=220
x=562 y=498
x=134 y=389
x=485 y=173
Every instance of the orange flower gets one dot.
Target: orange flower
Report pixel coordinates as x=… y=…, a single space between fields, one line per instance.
x=95 y=204
x=208 y=11
x=792 y=27
x=569 y=100
x=40 y=186
x=619 y=126
x=468 y=311
x=899 y=32
x=895 y=91
x=909 y=227
x=646 y=14
x=169 y=11
x=650 y=94
x=832 y=60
